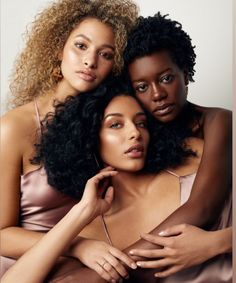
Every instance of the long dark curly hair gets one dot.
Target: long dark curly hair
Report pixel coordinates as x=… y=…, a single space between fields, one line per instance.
x=70 y=139
x=157 y=33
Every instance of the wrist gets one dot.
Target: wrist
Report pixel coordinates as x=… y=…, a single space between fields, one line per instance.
x=221 y=242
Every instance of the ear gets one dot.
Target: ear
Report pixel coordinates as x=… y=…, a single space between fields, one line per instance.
x=186 y=80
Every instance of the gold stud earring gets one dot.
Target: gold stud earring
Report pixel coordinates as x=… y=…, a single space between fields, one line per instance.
x=57 y=72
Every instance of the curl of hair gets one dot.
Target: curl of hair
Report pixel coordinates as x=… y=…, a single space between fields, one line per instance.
x=33 y=69
x=158 y=33
x=70 y=140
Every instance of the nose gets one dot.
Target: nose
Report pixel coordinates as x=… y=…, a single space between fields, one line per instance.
x=158 y=93
x=90 y=60
x=134 y=132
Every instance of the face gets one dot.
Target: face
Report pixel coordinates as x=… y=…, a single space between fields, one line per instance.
x=88 y=54
x=159 y=84
x=124 y=136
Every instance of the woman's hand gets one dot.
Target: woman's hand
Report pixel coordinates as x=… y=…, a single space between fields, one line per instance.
x=97 y=198
x=183 y=246
x=106 y=260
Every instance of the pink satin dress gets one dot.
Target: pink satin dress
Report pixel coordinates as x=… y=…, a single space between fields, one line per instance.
x=41 y=205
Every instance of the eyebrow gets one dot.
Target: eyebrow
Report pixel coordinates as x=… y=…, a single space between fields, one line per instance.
x=158 y=74
x=89 y=40
x=121 y=115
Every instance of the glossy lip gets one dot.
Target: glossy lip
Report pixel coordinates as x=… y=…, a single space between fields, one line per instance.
x=138 y=147
x=87 y=75
x=164 y=109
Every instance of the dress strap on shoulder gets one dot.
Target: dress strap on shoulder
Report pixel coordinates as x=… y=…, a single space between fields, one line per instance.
x=37 y=114
x=106 y=230
x=172 y=173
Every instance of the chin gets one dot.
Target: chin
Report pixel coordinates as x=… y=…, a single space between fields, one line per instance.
x=84 y=86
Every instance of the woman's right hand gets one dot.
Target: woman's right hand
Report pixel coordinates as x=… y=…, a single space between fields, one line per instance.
x=107 y=261
x=97 y=196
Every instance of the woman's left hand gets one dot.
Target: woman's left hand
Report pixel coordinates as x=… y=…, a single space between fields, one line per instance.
x=97 y=197
x=183 y=246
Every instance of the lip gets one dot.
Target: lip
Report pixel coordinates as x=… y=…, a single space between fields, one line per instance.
x=135 y=151
x=164 y=109
x=87 y=75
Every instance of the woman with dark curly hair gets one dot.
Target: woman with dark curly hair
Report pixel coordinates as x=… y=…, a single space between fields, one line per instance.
x=108 y=127
x=159 y=60
x=71 y=47
x=147 y=158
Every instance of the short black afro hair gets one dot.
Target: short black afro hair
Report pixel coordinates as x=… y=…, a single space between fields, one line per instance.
x=158 y=33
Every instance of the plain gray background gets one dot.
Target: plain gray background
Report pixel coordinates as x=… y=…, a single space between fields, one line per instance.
x=208 y=22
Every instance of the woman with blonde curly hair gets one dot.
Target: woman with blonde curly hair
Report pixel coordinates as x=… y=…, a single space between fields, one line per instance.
x=72 y=46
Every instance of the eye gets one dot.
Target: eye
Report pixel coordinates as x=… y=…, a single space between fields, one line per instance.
x=106 y=55
x=142 y=87
x=81 y=45
x=167 y=79
x=115 y=125
x=141 y=124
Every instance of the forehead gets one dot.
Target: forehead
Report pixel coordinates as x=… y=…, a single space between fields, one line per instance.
x=94 y=29
x=124 y=105
x=155 y=62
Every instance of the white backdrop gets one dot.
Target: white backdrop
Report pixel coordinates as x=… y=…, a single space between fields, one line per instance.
x=208 y=22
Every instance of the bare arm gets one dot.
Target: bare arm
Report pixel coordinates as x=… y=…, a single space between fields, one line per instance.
x=180 y=252
x=14 y=240
x=43 y=255
x=213 y=176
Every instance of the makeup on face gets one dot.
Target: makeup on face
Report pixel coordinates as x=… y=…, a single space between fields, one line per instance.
x=159 y=84
x=88 y=55
x=124 y=136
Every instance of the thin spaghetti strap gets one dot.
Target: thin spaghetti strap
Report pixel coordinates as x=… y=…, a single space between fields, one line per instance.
x=106 y=230
x=37 y=114
x=172 y=173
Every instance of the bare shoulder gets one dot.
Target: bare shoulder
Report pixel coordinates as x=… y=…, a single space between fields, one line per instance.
x=19 y=122
x=216 y=115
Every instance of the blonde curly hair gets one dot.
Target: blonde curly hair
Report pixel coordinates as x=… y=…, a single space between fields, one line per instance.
x=34 y=68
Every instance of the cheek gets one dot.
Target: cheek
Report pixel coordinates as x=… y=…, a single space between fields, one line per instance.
x=105 y=68
x=70 y=57
x=109 y=146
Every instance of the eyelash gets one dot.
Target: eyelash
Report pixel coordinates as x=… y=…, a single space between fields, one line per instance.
x=106 y=55
x=141 y=124
x=81 y=46
x=165 y=79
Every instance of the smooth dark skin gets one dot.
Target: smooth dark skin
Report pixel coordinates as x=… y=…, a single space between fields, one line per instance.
x=212 y=183
x=216 y=161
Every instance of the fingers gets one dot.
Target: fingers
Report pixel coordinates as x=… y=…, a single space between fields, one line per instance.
x=157 y=240
x=169 y=271
x=100 y=176
x=123 y=257
x=153 y=253
x=104 y=274
x=115 y=268
x=109 y=195
x=154 y=263
x=174 y=230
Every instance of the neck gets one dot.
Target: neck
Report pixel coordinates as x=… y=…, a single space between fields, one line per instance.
x=129 y=186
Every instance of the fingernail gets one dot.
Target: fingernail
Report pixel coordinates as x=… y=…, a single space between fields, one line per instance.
x=134 y=265
x=162 y=233
x=138 y=264
x=131 y=252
